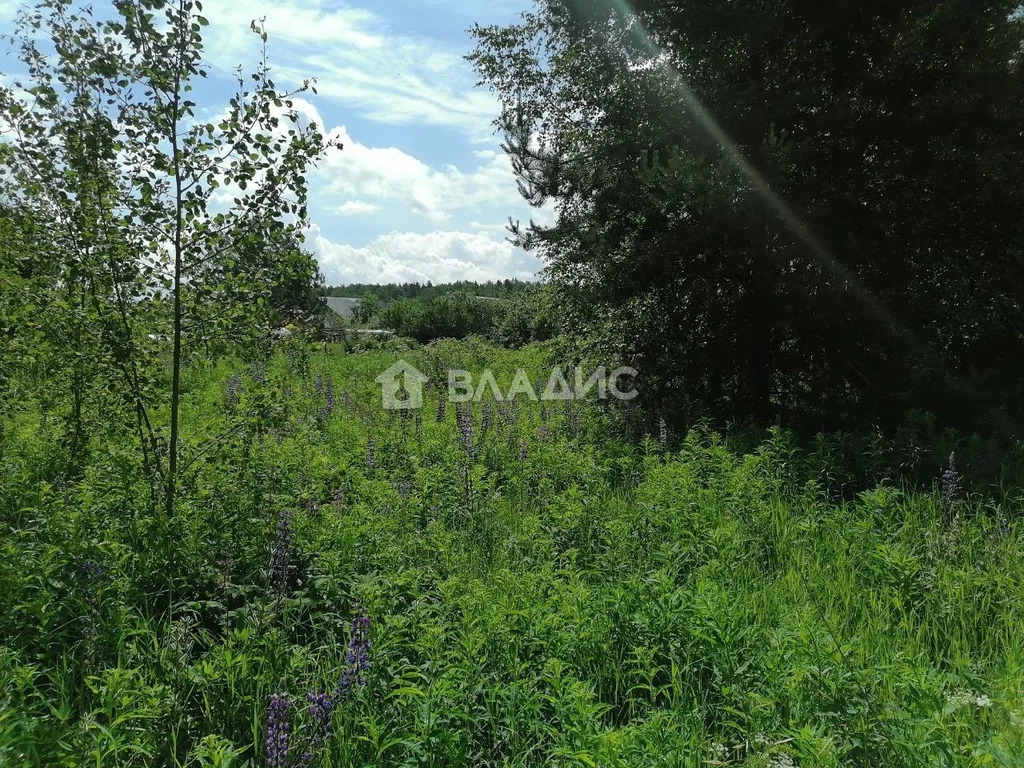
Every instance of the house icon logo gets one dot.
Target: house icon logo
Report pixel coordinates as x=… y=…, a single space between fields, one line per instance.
x=401 y=387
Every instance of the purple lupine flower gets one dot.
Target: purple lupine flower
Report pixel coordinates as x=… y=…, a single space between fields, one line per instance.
x=949 y=483
x=279 y=731
x=464 y=421
x=321 y=706
x=92 y=571
x=321 y=726
x=371 y=454
x=485 y=419
x=279 y=559
x=258 y=371
x=233 y=390
x=328 y=397
x=543 y=432
x=441 y=409
x=524 y=450
x=357 y=658
x=419 y=423
x=318 y=385
x=509 y=411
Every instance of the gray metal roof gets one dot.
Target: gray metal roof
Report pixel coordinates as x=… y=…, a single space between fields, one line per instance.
x=340 y=306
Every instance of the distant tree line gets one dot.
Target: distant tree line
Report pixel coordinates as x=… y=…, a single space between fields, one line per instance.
x=391 y=291
x=449 y=311
x=787 y=211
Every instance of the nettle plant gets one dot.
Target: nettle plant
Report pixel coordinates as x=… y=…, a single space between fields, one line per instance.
x=164 y=225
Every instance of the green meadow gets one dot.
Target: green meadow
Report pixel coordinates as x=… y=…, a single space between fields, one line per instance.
x=545 y=584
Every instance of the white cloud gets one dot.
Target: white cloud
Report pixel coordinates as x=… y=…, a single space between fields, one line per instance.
x=387 y=174
x=401 y=257
x=356 y=208
x=392 y=78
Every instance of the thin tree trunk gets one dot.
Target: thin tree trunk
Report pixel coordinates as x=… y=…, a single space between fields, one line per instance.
x=172 y=445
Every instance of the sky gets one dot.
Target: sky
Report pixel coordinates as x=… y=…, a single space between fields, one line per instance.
x=421 y=190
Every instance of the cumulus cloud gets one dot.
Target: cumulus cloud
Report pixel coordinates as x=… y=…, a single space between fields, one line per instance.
x=356 y=208
x=392 y=78
x=401 y=257
x=388 y=174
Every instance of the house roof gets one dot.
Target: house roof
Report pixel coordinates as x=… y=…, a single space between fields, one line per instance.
x=342 y=307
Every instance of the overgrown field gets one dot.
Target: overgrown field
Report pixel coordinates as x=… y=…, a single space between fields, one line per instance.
x=538 y=589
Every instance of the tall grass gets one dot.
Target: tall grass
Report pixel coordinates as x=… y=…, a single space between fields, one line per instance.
x=556 y=596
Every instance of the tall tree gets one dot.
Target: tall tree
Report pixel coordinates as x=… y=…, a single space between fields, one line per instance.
x=783 y=208
x=106 y=146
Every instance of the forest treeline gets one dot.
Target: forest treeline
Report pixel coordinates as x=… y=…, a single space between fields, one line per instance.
x=386 y=292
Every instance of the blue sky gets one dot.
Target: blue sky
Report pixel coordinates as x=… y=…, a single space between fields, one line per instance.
x=421 y=190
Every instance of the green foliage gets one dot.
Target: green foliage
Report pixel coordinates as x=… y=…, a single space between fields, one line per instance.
x=108 y=158
x=555 y=596
x=452 y=315
x=526 y=316
x=780 y=210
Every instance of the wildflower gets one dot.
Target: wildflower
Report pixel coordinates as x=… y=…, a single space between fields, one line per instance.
x=321 y=728
x=782 y=760
x=485 y=419
x=509 y=411
x=279 y=731
x=441 y=409
x=92 y=571
x=328 y=408
x=949 y=483
x=543 y=432
x=357 y=657
x=347 y=400
x=281 y=556
x=524 y=451
x=662 y=432
x=962 y=698
x=464 y=421
x=233 y=390
x=258 y=371
x=321 y=706
x=318 y=385
x=419 y=424
x=371 y=454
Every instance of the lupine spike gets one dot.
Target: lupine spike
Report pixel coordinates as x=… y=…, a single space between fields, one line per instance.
x=281 y=557
x=279 y=731
x=357 y=657
x=328 y=397
x=950 y=483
